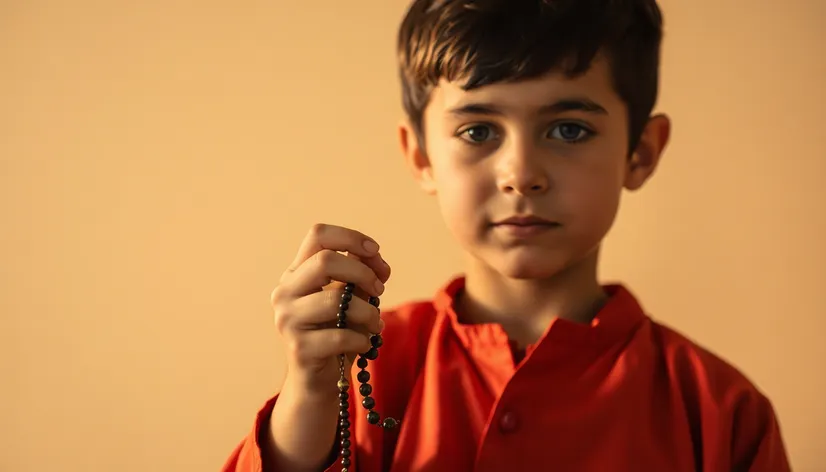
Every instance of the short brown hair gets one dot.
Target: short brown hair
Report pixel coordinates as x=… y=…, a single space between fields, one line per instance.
x=488 y=41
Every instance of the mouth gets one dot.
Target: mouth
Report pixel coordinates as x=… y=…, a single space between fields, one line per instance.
x=523 y=227
x=526 y=221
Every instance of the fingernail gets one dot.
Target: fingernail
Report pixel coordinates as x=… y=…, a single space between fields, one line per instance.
x=371 y=246
x=381 y=325
x=379 y=287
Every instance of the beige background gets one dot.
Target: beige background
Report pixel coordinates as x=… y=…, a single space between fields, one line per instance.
x=160 y=162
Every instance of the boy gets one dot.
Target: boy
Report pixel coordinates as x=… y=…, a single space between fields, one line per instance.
x=526 y=119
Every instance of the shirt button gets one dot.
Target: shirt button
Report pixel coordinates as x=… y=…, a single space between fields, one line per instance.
x=508 y=422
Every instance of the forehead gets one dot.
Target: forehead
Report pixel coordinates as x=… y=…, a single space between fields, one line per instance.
x=531 y=95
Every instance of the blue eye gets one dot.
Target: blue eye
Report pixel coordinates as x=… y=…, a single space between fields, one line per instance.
x=570 y=132
x=477 y=134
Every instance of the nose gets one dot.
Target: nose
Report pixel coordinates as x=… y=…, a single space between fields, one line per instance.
x=520 y=171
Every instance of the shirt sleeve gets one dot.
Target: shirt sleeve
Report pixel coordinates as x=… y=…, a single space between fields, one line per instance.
x=757 y=444
x=247 y=456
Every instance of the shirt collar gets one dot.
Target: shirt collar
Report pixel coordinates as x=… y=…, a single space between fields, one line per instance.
x=617 y=319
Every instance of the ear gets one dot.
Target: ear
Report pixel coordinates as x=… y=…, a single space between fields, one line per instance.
x=646 y=156
x=416 y=158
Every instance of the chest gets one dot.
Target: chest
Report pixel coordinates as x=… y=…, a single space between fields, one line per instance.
x=562 y=412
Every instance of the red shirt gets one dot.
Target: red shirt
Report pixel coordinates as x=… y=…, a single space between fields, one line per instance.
x=623 y=393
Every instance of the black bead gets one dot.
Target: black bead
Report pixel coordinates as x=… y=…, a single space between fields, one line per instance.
x=341 y=324
x=368 y=403
x=376 y=340
x=349 y=288
x=345 y=433
x=346 y=297
x=389 y=423
x=343 y=306
x=342 y=405
x=363 y=376
x=345 y=452
x=344 y=414
x=345 y=443
x=373 y=417
x=345 y=462
x=372 y=354
x=374 y=301
x=343 y=395
x=361 y=362
x=345 y=423
x=365 y=389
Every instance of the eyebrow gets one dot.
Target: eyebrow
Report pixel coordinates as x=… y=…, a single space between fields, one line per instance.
x=571 y=104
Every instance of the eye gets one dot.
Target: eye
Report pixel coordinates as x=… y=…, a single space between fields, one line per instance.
x=477 y=134
x=570 y=132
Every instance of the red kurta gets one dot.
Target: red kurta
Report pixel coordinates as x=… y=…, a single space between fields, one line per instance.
x=622 y=393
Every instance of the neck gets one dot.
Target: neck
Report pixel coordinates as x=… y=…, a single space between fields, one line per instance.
x=525 y=307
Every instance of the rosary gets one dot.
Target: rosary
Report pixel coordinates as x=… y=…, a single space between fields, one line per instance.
x=365 y=389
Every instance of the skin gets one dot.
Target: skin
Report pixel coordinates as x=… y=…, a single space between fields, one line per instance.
x=302 y=427
x=509 y=149
x=502 y=150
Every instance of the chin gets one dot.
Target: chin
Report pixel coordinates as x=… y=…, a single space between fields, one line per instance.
x=529 y=266
x=528 y=271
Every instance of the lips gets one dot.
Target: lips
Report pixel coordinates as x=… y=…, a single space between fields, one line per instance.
x=525 y=227
x=527 y=220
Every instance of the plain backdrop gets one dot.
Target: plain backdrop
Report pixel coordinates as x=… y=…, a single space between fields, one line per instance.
x=160 y=162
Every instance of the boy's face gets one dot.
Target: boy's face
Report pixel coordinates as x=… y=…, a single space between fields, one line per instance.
x=552 y=148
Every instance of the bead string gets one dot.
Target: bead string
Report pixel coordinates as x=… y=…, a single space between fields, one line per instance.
x=365 y=389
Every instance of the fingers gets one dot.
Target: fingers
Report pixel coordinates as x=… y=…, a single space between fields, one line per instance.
x=326 y=266
x=379 y=266
x=306 y=306
x=321 y=308
x=325 y=343
x=334 y=238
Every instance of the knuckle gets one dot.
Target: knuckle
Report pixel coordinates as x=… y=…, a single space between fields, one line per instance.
x=279 y=322
x=324 y=258
x=317 y=230
x=275 y=295
x=303 y=349
x=281 y=315
x=281 y=319
x=338 y=338
x=284 y=276
x=295 y=350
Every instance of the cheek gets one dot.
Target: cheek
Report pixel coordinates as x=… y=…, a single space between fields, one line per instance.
x=592 y=195
x=462 y=192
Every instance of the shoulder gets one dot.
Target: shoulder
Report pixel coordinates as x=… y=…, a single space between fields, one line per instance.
x=697 y=368
x=722 y=405
x=716 y=394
